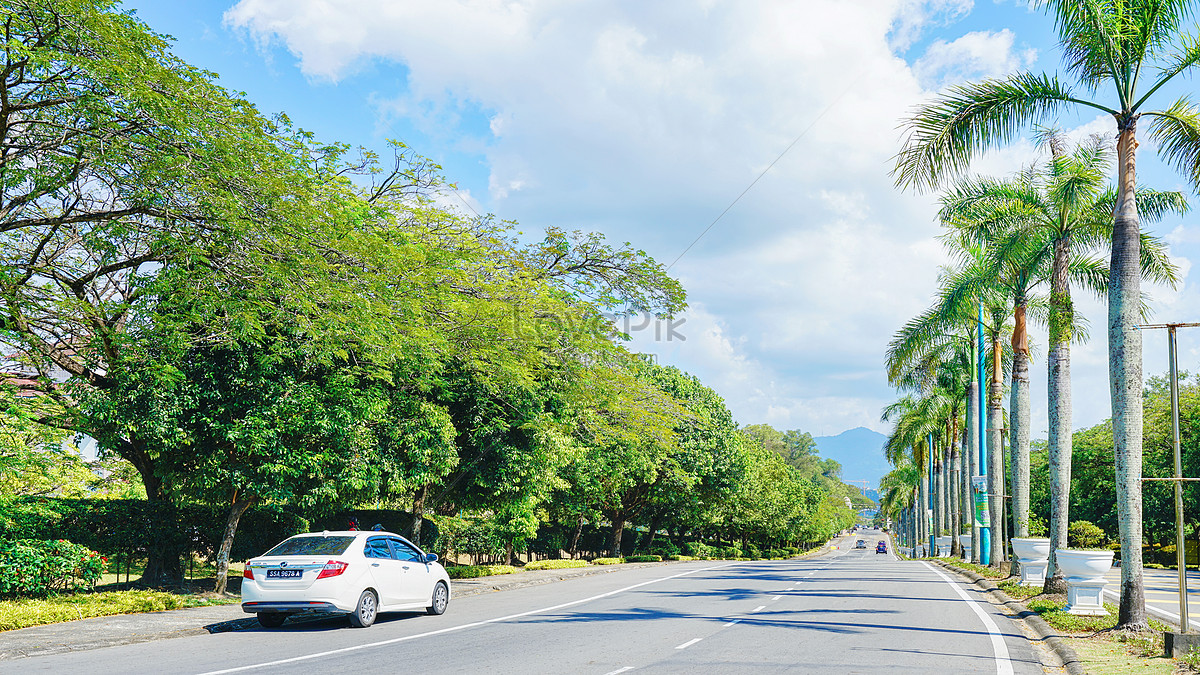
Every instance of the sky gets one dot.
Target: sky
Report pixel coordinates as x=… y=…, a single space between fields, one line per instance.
x=745 y=144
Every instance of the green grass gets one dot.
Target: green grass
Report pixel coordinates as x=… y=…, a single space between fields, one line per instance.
x=1052 y=611
x=981 y=570
x=554 y=564
x=1017 y=591
x=473 y=571
x=23 y=613
x=608 y=561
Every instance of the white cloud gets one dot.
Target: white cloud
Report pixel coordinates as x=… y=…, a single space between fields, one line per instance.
x=981 y=54
x=646 y=120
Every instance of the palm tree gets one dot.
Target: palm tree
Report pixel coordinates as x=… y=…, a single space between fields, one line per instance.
x=977 y=211
x=897 y=493
x=915 y=421
x=962 y=290
x=1105 y=43
x=1034 y=219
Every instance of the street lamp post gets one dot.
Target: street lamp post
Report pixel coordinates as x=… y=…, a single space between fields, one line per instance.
x=1178 y=479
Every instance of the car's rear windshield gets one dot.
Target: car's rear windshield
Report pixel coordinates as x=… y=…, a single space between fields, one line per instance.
x=312 y=546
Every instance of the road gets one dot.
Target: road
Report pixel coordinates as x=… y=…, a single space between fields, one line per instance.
x=1162 y=593
x=850 y=611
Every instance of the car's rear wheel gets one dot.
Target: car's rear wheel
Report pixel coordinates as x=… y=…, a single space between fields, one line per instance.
x=365 y=611
x=441 y=598
x=271 y=619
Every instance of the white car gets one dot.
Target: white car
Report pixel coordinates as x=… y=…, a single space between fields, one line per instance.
x=352 y=572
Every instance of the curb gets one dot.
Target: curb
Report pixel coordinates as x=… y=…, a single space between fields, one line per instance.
x=1044 y=631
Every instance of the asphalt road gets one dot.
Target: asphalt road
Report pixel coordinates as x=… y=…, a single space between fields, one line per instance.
x=851 y=611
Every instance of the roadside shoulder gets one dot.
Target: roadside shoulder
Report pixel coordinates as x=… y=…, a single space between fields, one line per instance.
x=1044 y=631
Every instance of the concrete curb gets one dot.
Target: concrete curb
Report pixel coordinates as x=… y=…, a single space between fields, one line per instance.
x=1044 y=631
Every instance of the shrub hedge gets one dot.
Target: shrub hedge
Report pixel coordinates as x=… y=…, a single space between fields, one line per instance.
x=643 y=558
x=472 y=571
x=608 y=561
x=555 y=564
x=36 y=568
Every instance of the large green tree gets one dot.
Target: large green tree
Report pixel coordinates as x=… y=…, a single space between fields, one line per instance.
x=1132 y=49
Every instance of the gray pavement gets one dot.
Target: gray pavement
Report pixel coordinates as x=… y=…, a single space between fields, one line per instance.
x=847 y=611
x=109 y=631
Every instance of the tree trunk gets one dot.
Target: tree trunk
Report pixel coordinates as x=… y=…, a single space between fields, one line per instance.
x=996 y=458
x=1018 y=438
x=418 y=514
x=239 y=506
x=923 y=511
x=955 y=499
x=655 y=521
x=575 y=539
x=163 y=566
x=1058 y=401
x=972 y=446
x=1125 y=378
x=939 y=492
x=618 y=527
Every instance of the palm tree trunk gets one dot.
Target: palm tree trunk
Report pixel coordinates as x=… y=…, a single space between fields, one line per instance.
x=922 y=505
x=955 y=498
x=1125 y=378
x=943 y=499
x=939 y=500
x=972 y=468
x=996 y=457
x=1058 y=400
x=1019 y=436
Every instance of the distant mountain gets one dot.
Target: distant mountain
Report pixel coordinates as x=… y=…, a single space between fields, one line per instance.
x=860 y=452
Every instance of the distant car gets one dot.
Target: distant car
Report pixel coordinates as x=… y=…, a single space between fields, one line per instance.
x=860 y=544
x=881 y=547
x=350 y=572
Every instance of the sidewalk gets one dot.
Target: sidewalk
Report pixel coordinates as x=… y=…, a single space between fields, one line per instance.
x=108 y=631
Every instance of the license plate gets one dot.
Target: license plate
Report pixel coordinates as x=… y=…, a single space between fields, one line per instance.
x=284 y=574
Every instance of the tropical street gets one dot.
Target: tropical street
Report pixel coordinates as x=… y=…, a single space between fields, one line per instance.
x=848 y=611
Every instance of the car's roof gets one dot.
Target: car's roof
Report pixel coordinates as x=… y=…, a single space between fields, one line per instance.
x=349 y=533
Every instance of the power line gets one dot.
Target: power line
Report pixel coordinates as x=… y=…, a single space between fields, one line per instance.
x=829 y=107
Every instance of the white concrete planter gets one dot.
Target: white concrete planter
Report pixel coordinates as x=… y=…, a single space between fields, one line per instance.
x=1033 y=554
x=1084 y=571
x=965 y=540
x=943 y=545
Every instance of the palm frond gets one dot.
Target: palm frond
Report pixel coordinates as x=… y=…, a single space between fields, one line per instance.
x=1176 y=131
x=945 y=134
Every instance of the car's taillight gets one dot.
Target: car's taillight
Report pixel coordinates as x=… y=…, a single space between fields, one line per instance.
x=332 y=569
x=247 y=573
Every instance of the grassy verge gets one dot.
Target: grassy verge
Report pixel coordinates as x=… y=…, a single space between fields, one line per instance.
x=473 y=571
x=23 y=613
x=1102 y=649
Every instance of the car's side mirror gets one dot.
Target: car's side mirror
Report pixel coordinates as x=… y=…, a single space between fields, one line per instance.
x=430 y=557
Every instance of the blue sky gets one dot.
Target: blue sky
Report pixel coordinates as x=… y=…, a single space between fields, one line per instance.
x=645 y=120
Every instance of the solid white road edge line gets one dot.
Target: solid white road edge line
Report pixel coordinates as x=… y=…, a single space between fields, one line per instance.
x=464 y=626
x=1003 y=662
x=619 y=670
x=689 y=643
